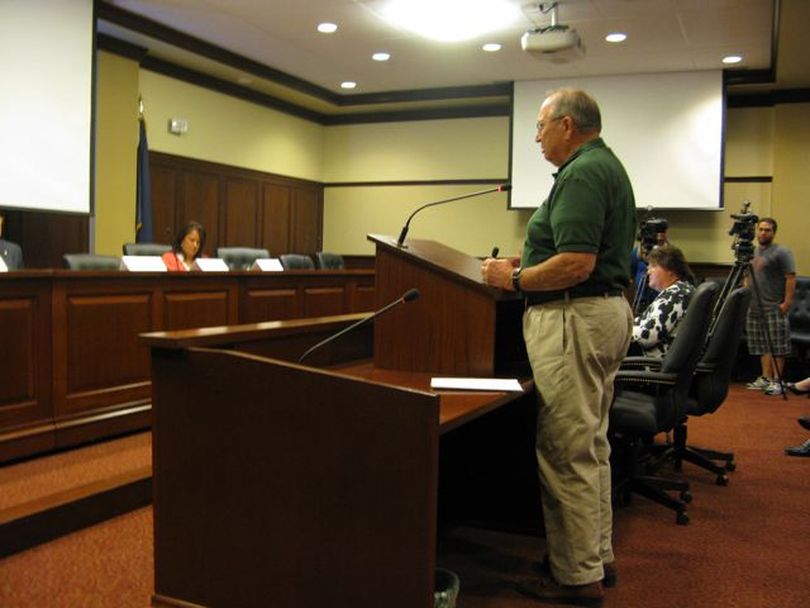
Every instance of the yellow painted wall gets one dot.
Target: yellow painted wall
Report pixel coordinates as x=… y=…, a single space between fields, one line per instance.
x=453 y=149
x=791 y=181
x=760 y=142
x=230 y=131
x=116 y=152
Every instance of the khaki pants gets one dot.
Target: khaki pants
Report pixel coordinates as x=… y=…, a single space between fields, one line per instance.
x=575 y=348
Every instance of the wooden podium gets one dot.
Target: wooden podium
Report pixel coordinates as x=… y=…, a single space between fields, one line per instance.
x=287 y=485
x=458 y=326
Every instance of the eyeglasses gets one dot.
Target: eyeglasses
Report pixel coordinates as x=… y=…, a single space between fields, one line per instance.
x=542 y=125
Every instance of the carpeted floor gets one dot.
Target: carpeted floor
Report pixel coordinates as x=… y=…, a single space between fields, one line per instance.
x=742 y=549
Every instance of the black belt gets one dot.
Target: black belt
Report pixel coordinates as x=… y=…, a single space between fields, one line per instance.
x=543 y=297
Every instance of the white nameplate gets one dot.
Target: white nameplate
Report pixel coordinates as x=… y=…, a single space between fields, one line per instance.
x=142 y=263
x=267 y=265
x=476 y=384
x=3 y=267
x=210 y=265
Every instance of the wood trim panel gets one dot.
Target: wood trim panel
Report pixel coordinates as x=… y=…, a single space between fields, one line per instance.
x=79 y=372
x=238 y=207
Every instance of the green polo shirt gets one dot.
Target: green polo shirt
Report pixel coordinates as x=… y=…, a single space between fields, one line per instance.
x=590 y=209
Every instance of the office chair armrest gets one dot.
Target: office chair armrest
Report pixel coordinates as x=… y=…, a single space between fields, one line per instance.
x=640 y=362
x=705 y=368
x=650 y=378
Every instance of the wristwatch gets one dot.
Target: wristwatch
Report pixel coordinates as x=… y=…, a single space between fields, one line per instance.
x=516 y=279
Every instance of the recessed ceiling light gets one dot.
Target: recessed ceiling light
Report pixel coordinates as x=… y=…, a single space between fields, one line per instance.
x=732 y=59
x=348 y=84
x=491 y=47
x=452 y=20
x=381 y=56
x=616 y=37
x=327 y=28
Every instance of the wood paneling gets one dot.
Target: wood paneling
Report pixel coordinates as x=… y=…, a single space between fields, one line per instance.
x=196 y=309
x=94 y=360
x=241 y=211
x=164 y=195
x=276 y=211
x=305 y=223
x=46 y=237
x=238 y=207
x=78 y=373
x=201 y=204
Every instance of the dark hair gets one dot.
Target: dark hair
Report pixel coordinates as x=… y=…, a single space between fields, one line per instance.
x=581 y=107
x=671 y=258
x=769 y=220
x=177 y=246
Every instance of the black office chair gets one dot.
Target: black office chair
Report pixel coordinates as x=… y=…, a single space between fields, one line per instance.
x=710 y=385
x=650 y=399
x=146 y=248
x=89 y=261
x=330 y=261
x=241 y=258
x=296 y=261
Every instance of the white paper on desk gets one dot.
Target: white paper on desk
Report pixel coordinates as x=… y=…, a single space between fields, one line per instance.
x=476 y=384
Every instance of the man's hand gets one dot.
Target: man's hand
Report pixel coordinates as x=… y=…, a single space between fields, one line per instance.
x=497 y=272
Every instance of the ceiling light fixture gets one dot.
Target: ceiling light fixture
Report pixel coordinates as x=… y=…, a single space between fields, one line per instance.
x=327 y=28
x=616 y=37
x=348 y=84
x=731 y=59
x=491 y=47
x=381 y=56
x=451 y=20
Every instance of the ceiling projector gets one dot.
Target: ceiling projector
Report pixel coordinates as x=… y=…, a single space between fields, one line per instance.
x=549 y=39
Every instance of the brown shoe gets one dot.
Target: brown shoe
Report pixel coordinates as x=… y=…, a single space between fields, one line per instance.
x=547 y=590
x=543 y=568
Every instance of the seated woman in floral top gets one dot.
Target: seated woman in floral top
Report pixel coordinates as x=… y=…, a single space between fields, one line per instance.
x=655 y=328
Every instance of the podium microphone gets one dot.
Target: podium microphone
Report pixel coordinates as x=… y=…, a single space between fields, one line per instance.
x=409 y=295
x=404 y=232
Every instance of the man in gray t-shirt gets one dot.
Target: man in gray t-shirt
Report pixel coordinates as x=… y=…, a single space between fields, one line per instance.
x=775 y=274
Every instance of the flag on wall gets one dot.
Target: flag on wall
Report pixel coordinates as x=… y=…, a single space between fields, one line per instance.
x=143 y=198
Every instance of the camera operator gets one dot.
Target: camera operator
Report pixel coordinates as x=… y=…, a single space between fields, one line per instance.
x=775 y=275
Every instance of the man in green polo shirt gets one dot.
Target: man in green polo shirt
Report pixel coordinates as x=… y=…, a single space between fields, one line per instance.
x=577 y=327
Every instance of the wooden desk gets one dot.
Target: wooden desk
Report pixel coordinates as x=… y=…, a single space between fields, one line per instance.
x=294 y=486
x=73 y=370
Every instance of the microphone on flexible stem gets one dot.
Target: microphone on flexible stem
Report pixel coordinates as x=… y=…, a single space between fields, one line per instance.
x=495 y=252
x=408 y=296
x=404 y=232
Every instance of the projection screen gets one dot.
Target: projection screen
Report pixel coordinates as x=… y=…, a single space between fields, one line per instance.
x=46 y=105
x=667 y=129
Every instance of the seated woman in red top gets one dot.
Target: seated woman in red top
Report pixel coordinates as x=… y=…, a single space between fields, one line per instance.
x=187 y=247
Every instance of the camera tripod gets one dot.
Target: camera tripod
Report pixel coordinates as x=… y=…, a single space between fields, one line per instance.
x=744 y=253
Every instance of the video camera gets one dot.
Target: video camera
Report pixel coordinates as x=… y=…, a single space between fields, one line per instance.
x=744 y=229
x=648 y=232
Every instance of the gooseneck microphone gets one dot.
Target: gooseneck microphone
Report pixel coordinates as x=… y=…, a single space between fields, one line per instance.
x=404 y=232
x=408 y=296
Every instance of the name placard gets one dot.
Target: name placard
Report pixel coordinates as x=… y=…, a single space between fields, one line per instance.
x=142 y=263
x=267 y=265
x=210 y=265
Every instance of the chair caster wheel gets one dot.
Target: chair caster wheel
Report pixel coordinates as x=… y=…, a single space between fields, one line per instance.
x=682 y=518
x=686 y=496
x=731 y=466
x=722 y=480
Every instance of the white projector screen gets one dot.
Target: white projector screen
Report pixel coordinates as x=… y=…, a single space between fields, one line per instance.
x=46 y=104
x=667 y=129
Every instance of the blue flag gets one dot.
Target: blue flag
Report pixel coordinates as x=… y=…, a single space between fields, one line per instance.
x=143 y=197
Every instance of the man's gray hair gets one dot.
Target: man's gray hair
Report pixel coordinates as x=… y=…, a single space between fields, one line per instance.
x=580 y=106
